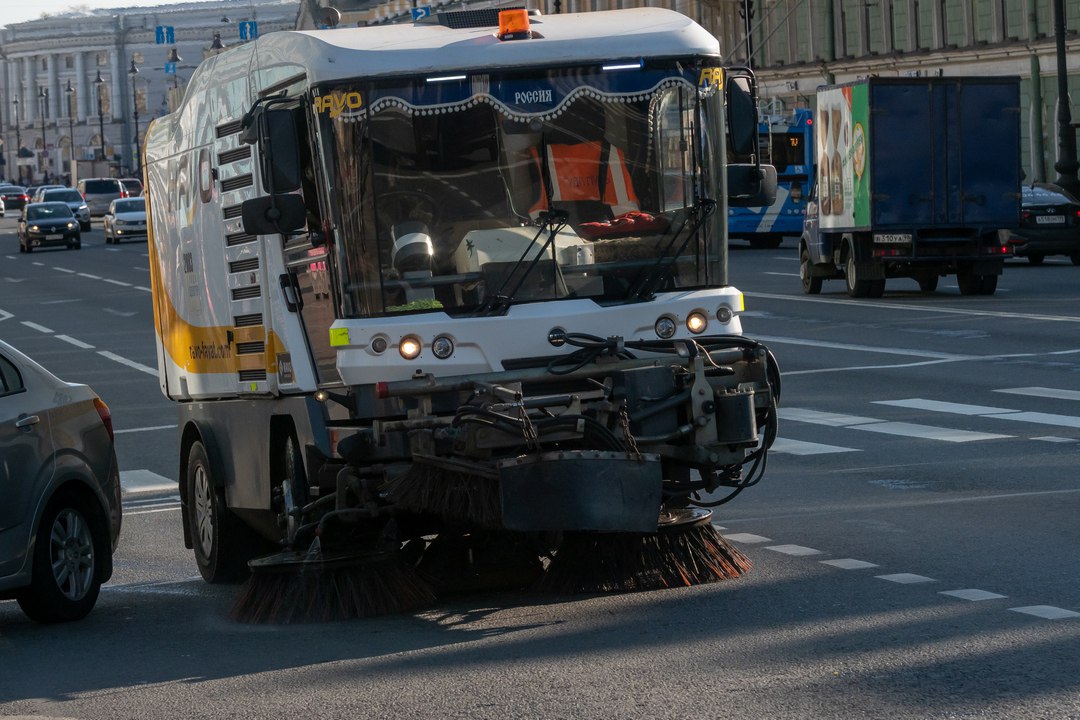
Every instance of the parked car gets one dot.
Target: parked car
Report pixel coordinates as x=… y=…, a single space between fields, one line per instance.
x=74 y=201
x=48 y=224
x=39 y=191
x=133 y=186
x=60 y=511
x=99 y=192
x=1049 y=224
x=14 y=196
x=125 y=220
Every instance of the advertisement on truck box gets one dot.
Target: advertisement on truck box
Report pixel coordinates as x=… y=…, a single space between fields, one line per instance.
x=844 y=164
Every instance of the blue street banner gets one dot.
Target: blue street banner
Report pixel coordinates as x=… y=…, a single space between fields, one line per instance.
x=164 y=35
x=249 y=30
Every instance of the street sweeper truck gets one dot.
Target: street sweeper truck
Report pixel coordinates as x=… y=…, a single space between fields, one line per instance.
x=445 y=306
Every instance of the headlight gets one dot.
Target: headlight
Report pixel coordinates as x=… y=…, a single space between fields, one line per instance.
x=696 y=322
x=442 y=347
x=410 y=347
x=34 y=228
x=70 y=225
x=665 y=328
x=120 y=223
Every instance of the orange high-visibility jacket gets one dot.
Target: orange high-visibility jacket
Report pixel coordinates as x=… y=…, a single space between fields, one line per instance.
x=575 y=175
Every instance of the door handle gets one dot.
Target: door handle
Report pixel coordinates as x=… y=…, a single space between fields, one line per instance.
x=27 y=420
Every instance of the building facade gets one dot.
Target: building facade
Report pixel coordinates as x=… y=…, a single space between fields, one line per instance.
x=83 y=87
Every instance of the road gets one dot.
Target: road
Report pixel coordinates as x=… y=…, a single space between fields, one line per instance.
x=913 y=539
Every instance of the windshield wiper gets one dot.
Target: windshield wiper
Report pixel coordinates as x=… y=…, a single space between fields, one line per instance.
x=695 y=218
x=551 y=221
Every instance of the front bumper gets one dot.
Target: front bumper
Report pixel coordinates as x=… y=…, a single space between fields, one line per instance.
x=67 y=237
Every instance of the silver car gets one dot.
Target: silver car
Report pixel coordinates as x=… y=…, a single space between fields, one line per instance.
x=125 y=220
x=74 y=201
x=99 y=192
x=60 y=507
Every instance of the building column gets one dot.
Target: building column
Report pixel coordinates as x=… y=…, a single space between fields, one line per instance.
x=116 y=110
x=81 y=91
x=53 y=85
x=29 y=90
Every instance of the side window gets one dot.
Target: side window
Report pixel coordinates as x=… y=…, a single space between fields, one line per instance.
x=10 y=380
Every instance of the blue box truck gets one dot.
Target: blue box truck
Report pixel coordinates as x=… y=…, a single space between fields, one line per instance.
x=915 y=178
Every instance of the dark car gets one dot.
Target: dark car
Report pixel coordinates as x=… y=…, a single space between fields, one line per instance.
x=73 y=199
x=1049 y=224
x=133 y=186
x=48 y=224
x=14 y=196
x=60 y=511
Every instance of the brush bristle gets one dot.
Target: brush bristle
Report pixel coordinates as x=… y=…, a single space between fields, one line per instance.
x=317 y=593
x=676 y=557
x=447 y=493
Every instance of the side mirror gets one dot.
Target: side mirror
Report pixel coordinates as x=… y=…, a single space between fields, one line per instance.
x=742 y=115
x=280 y=150
x=273 y=214
x=751 y=185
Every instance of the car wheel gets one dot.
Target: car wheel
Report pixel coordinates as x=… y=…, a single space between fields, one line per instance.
x=811 y=285
x=66 y=564
x=222 y=544
x=1036 y=258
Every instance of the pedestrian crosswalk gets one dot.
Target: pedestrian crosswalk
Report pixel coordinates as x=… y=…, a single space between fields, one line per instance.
x=1017 y=422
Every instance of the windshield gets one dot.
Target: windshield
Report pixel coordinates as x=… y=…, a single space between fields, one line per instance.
x=62 y=196
x=472 y=193
x=46 y=211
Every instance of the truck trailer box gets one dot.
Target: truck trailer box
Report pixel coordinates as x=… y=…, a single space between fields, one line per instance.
x=910 y=153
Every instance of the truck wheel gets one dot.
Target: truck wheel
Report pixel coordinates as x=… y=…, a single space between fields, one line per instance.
x=221 y=542
x=970 y=283
x=1036 y=258
x=988 y=284
x=810 y=285
x=876 y=289
x=290 y=488
x=856 y=286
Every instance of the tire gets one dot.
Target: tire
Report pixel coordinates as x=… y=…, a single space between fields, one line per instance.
x=810 y=285
x=1036 y=258
x=928 y=283
x=970 y=283
x=856 y=286
x=876 y=289
x=67 y=564
x=217 y=536
x=290 y=487
x=988 y=284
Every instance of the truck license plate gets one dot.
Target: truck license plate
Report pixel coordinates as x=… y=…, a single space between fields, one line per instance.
x=1049 y=219
x=892 y=238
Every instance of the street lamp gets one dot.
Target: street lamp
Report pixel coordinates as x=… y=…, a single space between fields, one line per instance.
x=98 y=83
x=43 y=101
x=174 y=59
x=18 y=139
x=133 y=71
x=71 y=132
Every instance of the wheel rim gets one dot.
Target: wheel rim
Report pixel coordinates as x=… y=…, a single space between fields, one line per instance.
x=288 y=500
x=804 y=270
x=204 y=511
x=849 y=271
x=71 y=552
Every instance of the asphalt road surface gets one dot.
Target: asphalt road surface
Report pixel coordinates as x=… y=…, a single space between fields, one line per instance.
x=914 y=538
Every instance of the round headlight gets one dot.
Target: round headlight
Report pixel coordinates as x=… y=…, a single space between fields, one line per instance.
x=378 y=345
x=696 y=322
x=410 y=347
x=665 y=328
x=442 y=347
x=724 y=314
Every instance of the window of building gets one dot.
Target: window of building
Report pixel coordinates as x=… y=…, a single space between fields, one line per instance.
x=69 y=62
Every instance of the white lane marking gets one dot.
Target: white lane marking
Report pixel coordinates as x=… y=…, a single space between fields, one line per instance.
x=144 y=289
x=928 y=432
x=14 y=280
x=1055 y=439
x=65 y=270
x=130 y=363
x=748 y=538
x=121 y=283
x=855 y=422
x=905 y=578
x=1056 y=393
x=88 y=275
x=907 y=352
x=5 y=315
x=817 y=417
x=972 y=594
x=35 y=326
x=39 y=264
x=61 y=302
x=144 y=482
x=117 y=312
x=145 y=429
x=917 y=308
x=1047 y=612
x=1038 y=418
x=11 y=257
x=782 y=274
x=848 y=564
x=945 y=407
x=794 y=550
x=76 y=343
x=786 y=446
x=143 y=269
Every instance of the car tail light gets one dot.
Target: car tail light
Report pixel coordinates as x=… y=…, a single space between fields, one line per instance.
x=105 y=415
x=1025 y=215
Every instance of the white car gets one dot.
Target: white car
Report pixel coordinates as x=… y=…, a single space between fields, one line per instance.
x=126 y=218
x=3 y=210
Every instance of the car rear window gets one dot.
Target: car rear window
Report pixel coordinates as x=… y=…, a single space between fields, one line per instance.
x=62 y=196
x=135 y=205
x=101 y=187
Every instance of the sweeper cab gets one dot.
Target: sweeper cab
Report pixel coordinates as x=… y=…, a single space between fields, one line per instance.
x=447 y=304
